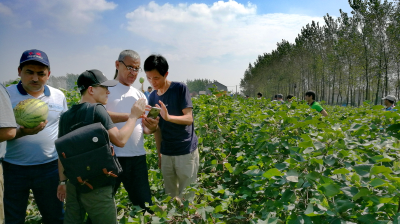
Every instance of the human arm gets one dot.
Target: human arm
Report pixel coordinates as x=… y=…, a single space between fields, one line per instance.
x=61 y=189
x=22 y=131
x=185 y=119
x=7 y=120
x=120 y=137
x=157 y=137
x=324 y=113
x=7 y=133
x=118 y=117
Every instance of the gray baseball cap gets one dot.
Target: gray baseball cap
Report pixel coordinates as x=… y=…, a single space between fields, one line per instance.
x=390 y=97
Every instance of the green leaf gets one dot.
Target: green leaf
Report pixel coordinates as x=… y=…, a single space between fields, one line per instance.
x=380 y=169
x=306 y=144
x=329 y=189
x=281 y=166
x=344 y=205
x=378 y=107
x=229 y=167
x=292 y=176
x=349 y=191
x=377 y=182
x=341 y=171
x=286 y=196
x=363 y=192
x=363 y=169
x=272 y=172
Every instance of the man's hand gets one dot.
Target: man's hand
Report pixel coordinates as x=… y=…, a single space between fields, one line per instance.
x=164 y=111
x=138 y=108
x=151 y=123
x=62 y=192
x=33 y=131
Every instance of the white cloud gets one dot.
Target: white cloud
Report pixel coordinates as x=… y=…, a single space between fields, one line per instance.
x=223 y=28
x=74 y=15
x=4 y=10
x=71 y=16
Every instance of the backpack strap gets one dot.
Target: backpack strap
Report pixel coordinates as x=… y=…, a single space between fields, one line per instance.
x=90 y=109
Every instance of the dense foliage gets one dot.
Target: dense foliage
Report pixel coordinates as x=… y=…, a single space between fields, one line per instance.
x=264 y=162
x=347 y=59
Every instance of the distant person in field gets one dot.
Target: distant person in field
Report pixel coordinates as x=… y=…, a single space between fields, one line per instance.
x=132 y=156
x=176 y=140
x=259 y=95
x=279 y=97
x=31 y=160
x=7 y=132
x=389 y=101
x=310 y=98
x=275 y=98
x=289 y=98
x=148 y=92
x=98 y=203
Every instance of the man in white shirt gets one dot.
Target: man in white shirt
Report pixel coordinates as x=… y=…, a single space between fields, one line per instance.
x=132 y=156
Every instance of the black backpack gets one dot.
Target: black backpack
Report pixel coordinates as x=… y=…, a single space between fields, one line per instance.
x=86 y=153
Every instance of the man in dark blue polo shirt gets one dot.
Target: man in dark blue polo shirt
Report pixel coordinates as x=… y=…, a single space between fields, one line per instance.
x=175 y=137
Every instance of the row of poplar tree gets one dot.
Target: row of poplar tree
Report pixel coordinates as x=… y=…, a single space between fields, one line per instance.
x=347 y=60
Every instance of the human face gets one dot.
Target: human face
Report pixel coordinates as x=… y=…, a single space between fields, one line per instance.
x=125 y=76
x=387 y=103
x=33 y=78
x=156 y=80
x=100 y=94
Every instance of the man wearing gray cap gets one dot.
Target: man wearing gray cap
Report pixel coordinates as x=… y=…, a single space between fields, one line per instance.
x=389 y=101
x=99 y=202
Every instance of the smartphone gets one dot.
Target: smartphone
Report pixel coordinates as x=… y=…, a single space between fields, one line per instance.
x=153 y=113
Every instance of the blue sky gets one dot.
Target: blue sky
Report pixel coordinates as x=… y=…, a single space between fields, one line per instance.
x=200 y=39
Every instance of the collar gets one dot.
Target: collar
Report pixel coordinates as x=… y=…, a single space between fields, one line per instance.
x=311 y=103
x=23 y=92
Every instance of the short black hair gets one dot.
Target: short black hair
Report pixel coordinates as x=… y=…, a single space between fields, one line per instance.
x=259 y=94
x=32 y=62
x=156 y=62
x=149 y=87
x=311 y=93
x=290 y=96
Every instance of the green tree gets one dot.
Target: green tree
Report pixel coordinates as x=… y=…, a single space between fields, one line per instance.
x=197 y=84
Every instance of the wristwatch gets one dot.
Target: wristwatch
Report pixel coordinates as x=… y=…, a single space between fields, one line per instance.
x=62 y=182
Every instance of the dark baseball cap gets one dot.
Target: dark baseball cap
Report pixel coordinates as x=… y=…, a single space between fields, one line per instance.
x=35 y=55
x=94 y=77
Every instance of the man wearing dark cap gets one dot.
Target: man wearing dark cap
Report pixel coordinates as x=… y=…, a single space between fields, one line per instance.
x=98 y=203
x=30 y=162
x=389 y=101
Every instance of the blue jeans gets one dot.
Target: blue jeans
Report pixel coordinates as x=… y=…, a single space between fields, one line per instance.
x=43 y=180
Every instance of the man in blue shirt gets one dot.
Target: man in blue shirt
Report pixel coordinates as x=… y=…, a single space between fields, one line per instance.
x=148 y=92
x=31 y=160
x=175 y=137
x=389 y=101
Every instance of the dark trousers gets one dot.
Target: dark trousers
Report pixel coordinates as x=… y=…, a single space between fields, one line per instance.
x=43 y=180
x=135 y=178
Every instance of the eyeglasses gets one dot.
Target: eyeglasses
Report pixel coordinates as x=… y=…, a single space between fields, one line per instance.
x=132 y=69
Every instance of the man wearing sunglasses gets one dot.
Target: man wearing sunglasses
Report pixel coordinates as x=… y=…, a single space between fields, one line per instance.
x=132 y=157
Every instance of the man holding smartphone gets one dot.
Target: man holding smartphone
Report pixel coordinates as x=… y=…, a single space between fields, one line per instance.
x=175 y=138
x=132 y=156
